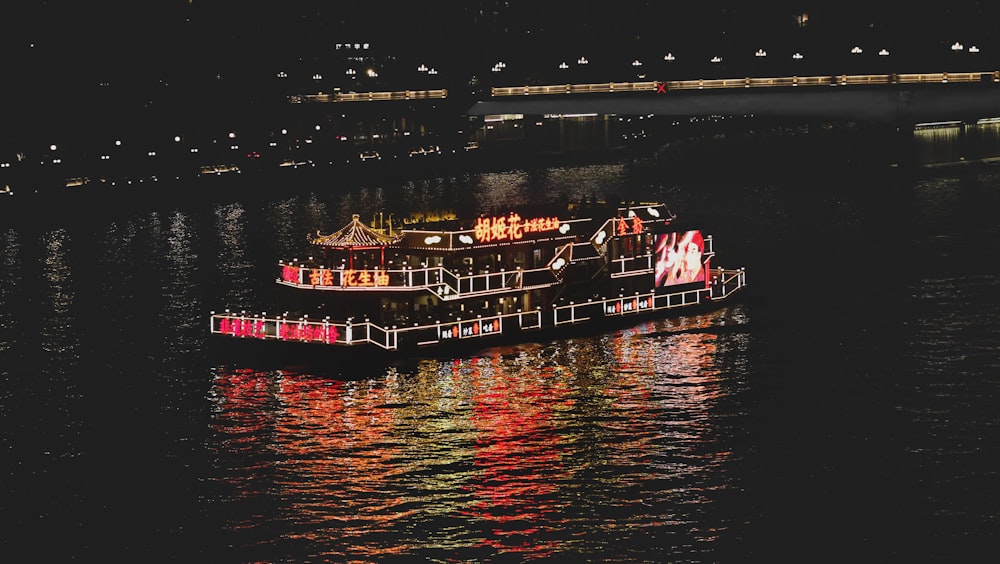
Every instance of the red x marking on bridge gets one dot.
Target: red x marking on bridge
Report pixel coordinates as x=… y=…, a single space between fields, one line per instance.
x=661 y=87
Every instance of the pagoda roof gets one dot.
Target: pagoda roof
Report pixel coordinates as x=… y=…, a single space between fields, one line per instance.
x=355 y=234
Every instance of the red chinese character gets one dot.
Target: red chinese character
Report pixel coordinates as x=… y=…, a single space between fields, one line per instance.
x=483 y=232
x=364 y=278
x=498 y=229
x=636 y=224
x=315 y=276
x=622 y=226
x=327 y=277
x=381 y=278
x=349 y=277
x=514 y=227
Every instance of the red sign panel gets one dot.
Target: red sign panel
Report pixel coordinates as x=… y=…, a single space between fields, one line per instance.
x=512 y=227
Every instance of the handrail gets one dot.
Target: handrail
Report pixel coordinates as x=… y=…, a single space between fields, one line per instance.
x=444 y=283
x=750 y=82
x=350 y=333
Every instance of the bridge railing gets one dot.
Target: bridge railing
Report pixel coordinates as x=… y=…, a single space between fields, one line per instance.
x=371 y=96
x=750 y=82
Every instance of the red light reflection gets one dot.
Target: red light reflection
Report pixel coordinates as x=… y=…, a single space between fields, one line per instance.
x=517 y=451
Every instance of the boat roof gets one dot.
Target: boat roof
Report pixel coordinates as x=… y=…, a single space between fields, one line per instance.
x=355 y=235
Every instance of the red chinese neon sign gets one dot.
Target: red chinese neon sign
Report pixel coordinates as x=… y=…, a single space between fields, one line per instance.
x=512 y=227
x=242 y=327
x=290 y=274
x=365 y=278
x=325 y=277
x=318 y=332
x=625 y=229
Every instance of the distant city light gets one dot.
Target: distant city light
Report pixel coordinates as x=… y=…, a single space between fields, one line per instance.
x=563 y=65
x=884 y=52
x=956 y=46
x=797 y=55
x=856 y=50
x=716 y=59
x=669 y=57
x=760 y=53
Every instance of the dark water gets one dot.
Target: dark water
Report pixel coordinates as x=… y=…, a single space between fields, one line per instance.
x=847 y=410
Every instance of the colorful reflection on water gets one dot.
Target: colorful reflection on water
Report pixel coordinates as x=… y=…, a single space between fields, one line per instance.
x=594 y=446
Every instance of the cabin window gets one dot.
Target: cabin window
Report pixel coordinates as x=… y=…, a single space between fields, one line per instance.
x=628 y=246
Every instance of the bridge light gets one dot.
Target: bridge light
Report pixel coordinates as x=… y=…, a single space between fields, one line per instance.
x=973 y=49
x=636 y=63
x=669 y=57
x=856 y=50
x=422 y=68
x=582 y=61
x=956 y=46
x=563 y=65
x=884 y=52
x=760 y=53
x=797 y=56
x=716 y=59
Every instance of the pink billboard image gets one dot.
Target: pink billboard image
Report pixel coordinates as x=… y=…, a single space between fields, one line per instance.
x=679 y=258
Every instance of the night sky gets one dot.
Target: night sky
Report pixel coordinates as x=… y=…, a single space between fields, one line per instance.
x=74 y=64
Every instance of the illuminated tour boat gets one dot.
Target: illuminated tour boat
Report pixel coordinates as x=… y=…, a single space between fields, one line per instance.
x=438 y=284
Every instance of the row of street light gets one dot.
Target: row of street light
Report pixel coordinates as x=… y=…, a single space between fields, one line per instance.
x=760 y=53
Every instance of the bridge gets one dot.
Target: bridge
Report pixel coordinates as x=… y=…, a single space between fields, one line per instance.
x=900 y=98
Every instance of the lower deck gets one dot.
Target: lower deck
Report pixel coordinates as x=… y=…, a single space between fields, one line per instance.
x=424 y=331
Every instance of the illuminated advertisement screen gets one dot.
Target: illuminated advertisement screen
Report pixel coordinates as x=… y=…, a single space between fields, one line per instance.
x=679 y=258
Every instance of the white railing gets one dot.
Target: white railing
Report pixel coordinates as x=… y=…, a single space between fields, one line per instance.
x=440 y=281
x=748 y=82
x=723 y=283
